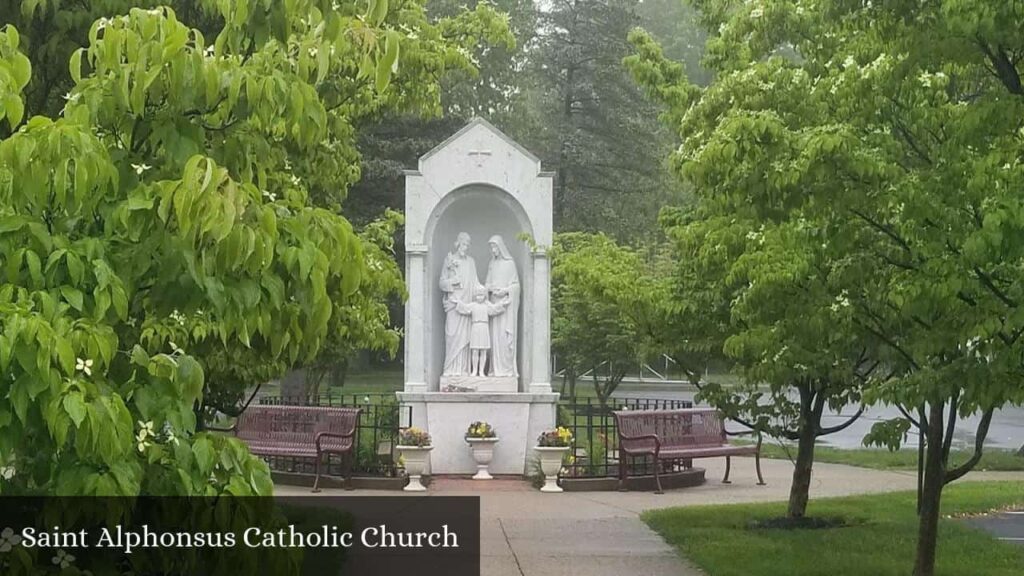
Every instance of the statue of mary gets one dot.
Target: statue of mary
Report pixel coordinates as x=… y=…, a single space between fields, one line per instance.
x=503 y=282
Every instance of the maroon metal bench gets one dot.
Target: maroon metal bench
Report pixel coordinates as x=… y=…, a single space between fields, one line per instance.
x=301 y=432
x=678 y=435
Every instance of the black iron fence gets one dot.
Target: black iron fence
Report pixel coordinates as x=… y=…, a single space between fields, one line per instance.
x=595 y=439
x=595 y=452
x=380 y=420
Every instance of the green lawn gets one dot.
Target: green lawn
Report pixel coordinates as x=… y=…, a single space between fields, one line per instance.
x=882 y=459
x=879 y=539
x=383 y=381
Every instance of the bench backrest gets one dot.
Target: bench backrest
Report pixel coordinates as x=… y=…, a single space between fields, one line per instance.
x=694 y=427
x=296 y=424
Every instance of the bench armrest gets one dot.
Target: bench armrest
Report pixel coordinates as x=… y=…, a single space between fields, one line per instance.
x=760 y=437
x=321 y=435
x=657 y=440
x=233 y=428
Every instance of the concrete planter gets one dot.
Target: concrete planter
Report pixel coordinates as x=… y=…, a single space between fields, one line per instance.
x=550 y=463
x=483 y=453
x=415 y=458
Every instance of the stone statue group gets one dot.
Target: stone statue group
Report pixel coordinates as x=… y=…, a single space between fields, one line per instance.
x=480 y=319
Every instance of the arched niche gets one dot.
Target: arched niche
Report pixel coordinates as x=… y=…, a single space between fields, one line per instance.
x=482 y=211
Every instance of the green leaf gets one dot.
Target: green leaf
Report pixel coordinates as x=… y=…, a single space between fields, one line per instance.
x=66 y=355
x=203 y=450
x=73 y=296
x=76 y=65
x=392 y=43
x=21 y=69
x=190 y=377
x=35 y=268
x=378 y=11
x=74 y=405
x=120 y=301
x=383 y=76
x=75 y=268
x=15 y=110
x=139 y=356
x=12 y=222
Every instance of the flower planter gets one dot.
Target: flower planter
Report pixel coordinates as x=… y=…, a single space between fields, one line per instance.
x=415 y=458
x=483 y=453
x=550 y=463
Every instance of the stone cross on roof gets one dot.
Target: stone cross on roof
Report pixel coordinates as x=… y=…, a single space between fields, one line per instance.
x=479 y=153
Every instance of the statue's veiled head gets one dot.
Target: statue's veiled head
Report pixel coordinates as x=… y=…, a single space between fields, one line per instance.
x=498 y=248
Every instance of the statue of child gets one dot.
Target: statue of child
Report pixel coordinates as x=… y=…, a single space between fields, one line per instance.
x=480 y=311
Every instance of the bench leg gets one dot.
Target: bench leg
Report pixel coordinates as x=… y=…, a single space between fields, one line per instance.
x=349 y=465
x=757 y=462
x=657 y=476
x=623 y=472
x=316 y=481
x=728 y=466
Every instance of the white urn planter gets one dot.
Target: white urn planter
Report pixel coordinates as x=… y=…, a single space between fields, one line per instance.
x=415 y=459
x=483 y=453
x=550 y=463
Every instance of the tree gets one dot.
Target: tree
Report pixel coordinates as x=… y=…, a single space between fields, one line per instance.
x=603 y=306
x=363 y=322
x=391 y=143
x=323 y=171
x=591 y=124
x=159 y=229
x=770 y=296
x=679 y=31
x=895 y=126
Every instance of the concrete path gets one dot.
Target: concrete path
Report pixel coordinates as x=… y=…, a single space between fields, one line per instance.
x=527 y=533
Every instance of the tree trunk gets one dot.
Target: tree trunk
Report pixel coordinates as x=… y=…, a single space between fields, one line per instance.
x=800 y=489
x=293 y=386
x=812 y=404
x=931 y=493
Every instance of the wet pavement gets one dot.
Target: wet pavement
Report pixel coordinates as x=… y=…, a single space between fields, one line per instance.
x=1006 y=526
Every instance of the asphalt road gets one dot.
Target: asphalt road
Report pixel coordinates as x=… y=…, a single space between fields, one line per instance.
x=1006 y=430
x=1008 y=526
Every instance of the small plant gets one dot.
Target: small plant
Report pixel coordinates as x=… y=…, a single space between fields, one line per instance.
x=559 y=437
x=481 y=430
x=413 y=437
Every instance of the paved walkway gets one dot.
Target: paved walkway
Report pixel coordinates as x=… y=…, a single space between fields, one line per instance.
x=1006 y=526
x=527 y=533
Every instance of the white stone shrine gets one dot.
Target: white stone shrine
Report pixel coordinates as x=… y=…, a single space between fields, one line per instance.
x=477 y=322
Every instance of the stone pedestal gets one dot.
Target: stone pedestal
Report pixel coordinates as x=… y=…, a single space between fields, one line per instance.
x=517 y=418
x=490 y=384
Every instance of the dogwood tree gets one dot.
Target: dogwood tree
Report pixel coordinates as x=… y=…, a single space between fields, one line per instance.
x=158 y=230
x=604 y=305
x=895 y=127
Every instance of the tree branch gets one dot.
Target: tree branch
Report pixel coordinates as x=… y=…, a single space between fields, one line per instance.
x=844 y=425
x=883 y=229
x=1003 y=67
x=979 y=445
x=987 y=281
x=908 y=416
x=947 y=442
x=889 y=342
